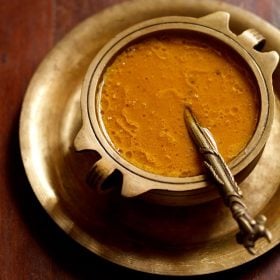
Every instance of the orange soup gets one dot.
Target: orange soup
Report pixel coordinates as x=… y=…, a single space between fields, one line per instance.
x=147 y=86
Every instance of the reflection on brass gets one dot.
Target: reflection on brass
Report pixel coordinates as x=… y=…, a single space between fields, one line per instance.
x=162 y=240
x=250 y=229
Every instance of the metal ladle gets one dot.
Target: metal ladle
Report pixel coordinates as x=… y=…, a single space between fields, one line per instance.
x=250 y=229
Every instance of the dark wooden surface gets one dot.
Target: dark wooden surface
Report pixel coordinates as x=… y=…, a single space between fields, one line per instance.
x=31 y=245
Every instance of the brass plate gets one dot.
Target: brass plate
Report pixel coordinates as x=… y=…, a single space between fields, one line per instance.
x=155 y=239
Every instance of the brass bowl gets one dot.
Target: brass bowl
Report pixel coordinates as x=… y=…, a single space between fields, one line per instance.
x=157 y=188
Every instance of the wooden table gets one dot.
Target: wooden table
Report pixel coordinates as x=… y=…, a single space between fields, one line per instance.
x=32 y=246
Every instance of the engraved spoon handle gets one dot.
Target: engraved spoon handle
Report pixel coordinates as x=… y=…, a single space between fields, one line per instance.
x=250 y=229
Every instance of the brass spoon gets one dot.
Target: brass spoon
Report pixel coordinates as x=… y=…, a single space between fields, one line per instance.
x=250 y=229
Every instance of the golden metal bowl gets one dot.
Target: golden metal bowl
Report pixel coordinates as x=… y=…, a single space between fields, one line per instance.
x=157 y=188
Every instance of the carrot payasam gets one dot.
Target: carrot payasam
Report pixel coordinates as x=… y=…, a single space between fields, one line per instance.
x=147 y=86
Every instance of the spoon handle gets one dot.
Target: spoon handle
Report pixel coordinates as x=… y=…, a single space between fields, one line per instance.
x=250 y=229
